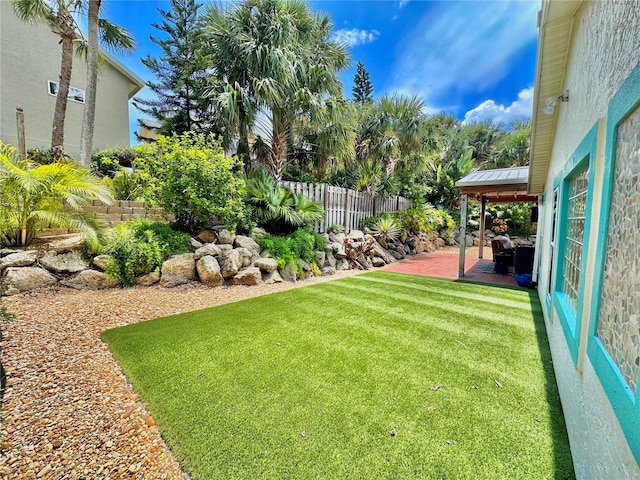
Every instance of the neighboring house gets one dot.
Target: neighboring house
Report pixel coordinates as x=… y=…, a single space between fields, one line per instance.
x=585 y=160
x=29 y=74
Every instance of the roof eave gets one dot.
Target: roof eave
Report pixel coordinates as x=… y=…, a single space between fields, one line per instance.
x=554 y=42
x=135 y=82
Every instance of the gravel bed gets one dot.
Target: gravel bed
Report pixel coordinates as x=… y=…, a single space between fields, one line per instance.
x=68 y=411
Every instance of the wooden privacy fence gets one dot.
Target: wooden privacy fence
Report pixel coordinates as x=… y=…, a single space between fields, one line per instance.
x=346 y=207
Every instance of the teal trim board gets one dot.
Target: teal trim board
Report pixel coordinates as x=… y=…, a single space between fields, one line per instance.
x=625 y=404
x=581 y=159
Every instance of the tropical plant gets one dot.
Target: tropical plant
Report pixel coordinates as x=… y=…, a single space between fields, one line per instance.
x=181 y=85
x=140 y=247
x=200 y=183
x=385 y=230
x=277 y=208
x=60 y=16
x=276 y=62
x=514 y=149
x=363 y=88
x=420 y=219
x=302 y=244
x=35 y=196
x=484 y=138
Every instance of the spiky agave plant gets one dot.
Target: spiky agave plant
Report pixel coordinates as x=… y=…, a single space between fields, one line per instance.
x=385 y=230
x=35 y=196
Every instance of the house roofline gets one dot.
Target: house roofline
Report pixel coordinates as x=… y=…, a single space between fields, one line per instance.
x=554 y=44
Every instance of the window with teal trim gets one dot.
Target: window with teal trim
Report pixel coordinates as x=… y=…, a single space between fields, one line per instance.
x=575 y=196
x=614 y=328
x=572 y=268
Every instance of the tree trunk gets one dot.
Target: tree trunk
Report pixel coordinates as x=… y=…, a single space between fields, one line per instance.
x=278 y=154
x=88 y=120
x=57 y=134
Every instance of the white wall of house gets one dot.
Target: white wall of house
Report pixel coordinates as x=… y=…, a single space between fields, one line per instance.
x=604 y=50
x=29 y=58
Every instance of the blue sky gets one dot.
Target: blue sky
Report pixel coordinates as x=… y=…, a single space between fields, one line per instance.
x=474 y=59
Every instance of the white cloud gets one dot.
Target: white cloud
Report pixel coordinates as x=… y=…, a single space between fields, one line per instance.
x=490 y=110
x=354 y=36
x=402 y=3
x=463 y=46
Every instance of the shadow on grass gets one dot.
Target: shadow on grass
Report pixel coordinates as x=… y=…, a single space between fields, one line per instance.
x=559 y=437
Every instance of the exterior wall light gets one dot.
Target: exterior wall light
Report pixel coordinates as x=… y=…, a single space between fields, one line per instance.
x=554 y=100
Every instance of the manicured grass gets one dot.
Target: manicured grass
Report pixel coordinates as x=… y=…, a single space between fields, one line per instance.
x=234 y=387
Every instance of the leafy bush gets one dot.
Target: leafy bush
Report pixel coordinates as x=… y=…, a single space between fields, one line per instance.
x=371 y=221
x=421 y=219
x=302 y=244
x=139 y=247
x=200 y=183
x=110 y=161
x=36 y=196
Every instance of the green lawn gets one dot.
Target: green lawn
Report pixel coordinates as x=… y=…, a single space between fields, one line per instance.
x=311 y=383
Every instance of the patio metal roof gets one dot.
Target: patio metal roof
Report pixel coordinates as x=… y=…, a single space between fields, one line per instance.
x=500 y=185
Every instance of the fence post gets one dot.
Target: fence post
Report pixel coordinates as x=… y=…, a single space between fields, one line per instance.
x=347 y=212
x=22 y=145
x=326 y=207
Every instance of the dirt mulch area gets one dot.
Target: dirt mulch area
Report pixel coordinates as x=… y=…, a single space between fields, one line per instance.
x=68 y=411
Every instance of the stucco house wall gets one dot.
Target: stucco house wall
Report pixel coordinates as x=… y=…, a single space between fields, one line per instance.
x=29 y=58
x=603 y=52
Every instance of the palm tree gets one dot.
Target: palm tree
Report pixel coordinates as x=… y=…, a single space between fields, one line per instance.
x=515 y=147
x=275 y=65
x=60 y=16
x=484 y=138
x=34 y=196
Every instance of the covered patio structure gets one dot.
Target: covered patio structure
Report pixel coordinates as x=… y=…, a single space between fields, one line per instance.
x=499 y=185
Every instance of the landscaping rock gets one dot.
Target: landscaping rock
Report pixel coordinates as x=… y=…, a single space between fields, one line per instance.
x=356 y=236
x=207 y=236
x=378 y=262
x=343 y=265
x=337 y=238
x=272 y=277
x=398 y=253
x=208 y=249
x=90 y=280
x=225 y=247
x=331 y=260
x=230 y=262
x=267 y=265
x=246 y=256
x=8 y=251
x=258 y=232
x=195 y=244
x=246 y=242
x=23 y=279
x=209 y=271
x=71 y=262
x=289 y=273
x=248 y=276
x=329 y=270
x=178 y=270
x=148 y=279
x=101 y=261
x=225 y=237
x=440 y=242
x=338 y=250
x=19 y=259
x=322 y=256
x=306 y=270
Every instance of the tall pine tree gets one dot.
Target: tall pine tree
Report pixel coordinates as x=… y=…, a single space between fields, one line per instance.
x=180 y=102
x=363 y=87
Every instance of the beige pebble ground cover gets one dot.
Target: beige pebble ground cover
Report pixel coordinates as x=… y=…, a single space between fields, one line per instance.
x=68 y=411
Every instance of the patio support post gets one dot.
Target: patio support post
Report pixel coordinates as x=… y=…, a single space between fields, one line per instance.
x=483 y=207
x=536 y=252
x=463 y=234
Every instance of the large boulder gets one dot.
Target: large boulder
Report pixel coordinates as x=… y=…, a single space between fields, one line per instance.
x=272 y=277
x=338 y=250
x=337 y=237
x=19 y=259
x=328 y=270
x=71 y=262
x=195 y=244
x=248 y=276
x=247 y=256
x=208 y=249
x=225 y=237
x=378 y=262
x=356 y=236
x=246 y=242
x=149 y=279
x=330 y=261
x=209 y=271
x=440 y=242
x=289 y=273
x=100 y=261
x=322 y=256
x=23 y=279
x=178 y=270
x=230 y=262
x=267 y=265
x=90 y=280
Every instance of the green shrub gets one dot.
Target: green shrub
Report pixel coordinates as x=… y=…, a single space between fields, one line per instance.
x=302 y=244
x=200 y=183
x=110 y=161
x=385 y=230
x=139 y=247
